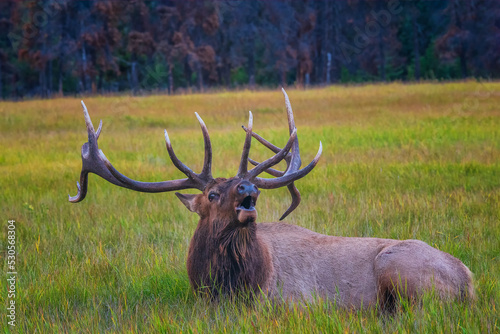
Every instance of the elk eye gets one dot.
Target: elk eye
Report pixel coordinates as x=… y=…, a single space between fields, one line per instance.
x=213 y=196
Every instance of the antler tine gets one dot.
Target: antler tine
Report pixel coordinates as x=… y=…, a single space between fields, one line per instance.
x=242 y=170
x=98 y=133
x=82 y=189
x=207 y=163
x=273 y=160
x=295 y=159
x=288 y=178
x=88 y=121
x=294 y=192
x=87 y=150
x=264 y=142
x=270 y=171
x=179 y=164
x=94 y=161
x=150 y=187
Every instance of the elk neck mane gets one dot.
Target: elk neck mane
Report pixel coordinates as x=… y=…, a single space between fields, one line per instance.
x=234 y=259
x=235 y=243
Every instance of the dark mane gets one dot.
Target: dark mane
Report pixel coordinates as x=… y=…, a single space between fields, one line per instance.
x=232 y=261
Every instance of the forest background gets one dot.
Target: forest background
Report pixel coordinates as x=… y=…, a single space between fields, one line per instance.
x=54 y=48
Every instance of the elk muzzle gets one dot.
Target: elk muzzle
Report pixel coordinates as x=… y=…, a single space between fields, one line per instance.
x=246 y=199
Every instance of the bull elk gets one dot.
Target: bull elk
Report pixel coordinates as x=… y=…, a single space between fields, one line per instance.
x=230 y=252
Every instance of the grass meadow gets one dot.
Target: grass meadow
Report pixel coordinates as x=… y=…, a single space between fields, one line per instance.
x=399 y=161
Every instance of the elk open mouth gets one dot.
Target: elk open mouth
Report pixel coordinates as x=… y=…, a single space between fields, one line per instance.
x=246 y=211
x=248 y=204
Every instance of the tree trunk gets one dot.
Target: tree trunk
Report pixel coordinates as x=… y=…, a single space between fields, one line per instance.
x=84 y=68
x=42 y=82
x=463 y=61
x=321 y=36
x=188 y=73
x=170 y=80
x=17 y=93
x=64 y=23
x=381 y=57
x=81 y=89
x=299 y=81
x=336 y=67
x=328 y=67
x=61 y=93
x=100 y=81
x=134 y=79
x=463 y=48
x=1 y=78
x=49 y=86
x=251 y=63
x=199 y=74
x=251 y=70
x=227 y=73
x=416 y=49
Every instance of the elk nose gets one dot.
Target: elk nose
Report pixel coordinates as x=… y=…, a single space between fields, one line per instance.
x=246 y=188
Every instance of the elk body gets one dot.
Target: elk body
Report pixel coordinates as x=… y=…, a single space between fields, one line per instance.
x=231 y=253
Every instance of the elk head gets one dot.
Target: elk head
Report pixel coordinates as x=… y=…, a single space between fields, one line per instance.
x=232 y=200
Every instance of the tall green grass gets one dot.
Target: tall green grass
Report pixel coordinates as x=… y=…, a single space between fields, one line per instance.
x=399 y=161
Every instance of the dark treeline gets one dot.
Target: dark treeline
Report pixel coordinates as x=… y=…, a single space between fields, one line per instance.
x=57 y=47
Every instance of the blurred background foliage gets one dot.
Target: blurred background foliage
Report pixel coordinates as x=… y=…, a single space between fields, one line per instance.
x=60 y=47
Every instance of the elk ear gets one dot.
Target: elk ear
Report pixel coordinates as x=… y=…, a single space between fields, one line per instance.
x=189 y=200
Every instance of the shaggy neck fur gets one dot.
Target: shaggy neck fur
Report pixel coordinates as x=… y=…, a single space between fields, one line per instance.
x=233 y=258
x=228 y=260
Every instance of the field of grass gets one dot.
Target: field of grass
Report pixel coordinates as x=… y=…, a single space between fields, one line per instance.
x=399 y=161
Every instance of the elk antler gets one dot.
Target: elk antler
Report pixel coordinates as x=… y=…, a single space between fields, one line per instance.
x=94 y=161
x=292 y=160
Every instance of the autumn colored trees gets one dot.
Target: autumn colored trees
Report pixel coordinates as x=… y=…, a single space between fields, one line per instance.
x=56 y=47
